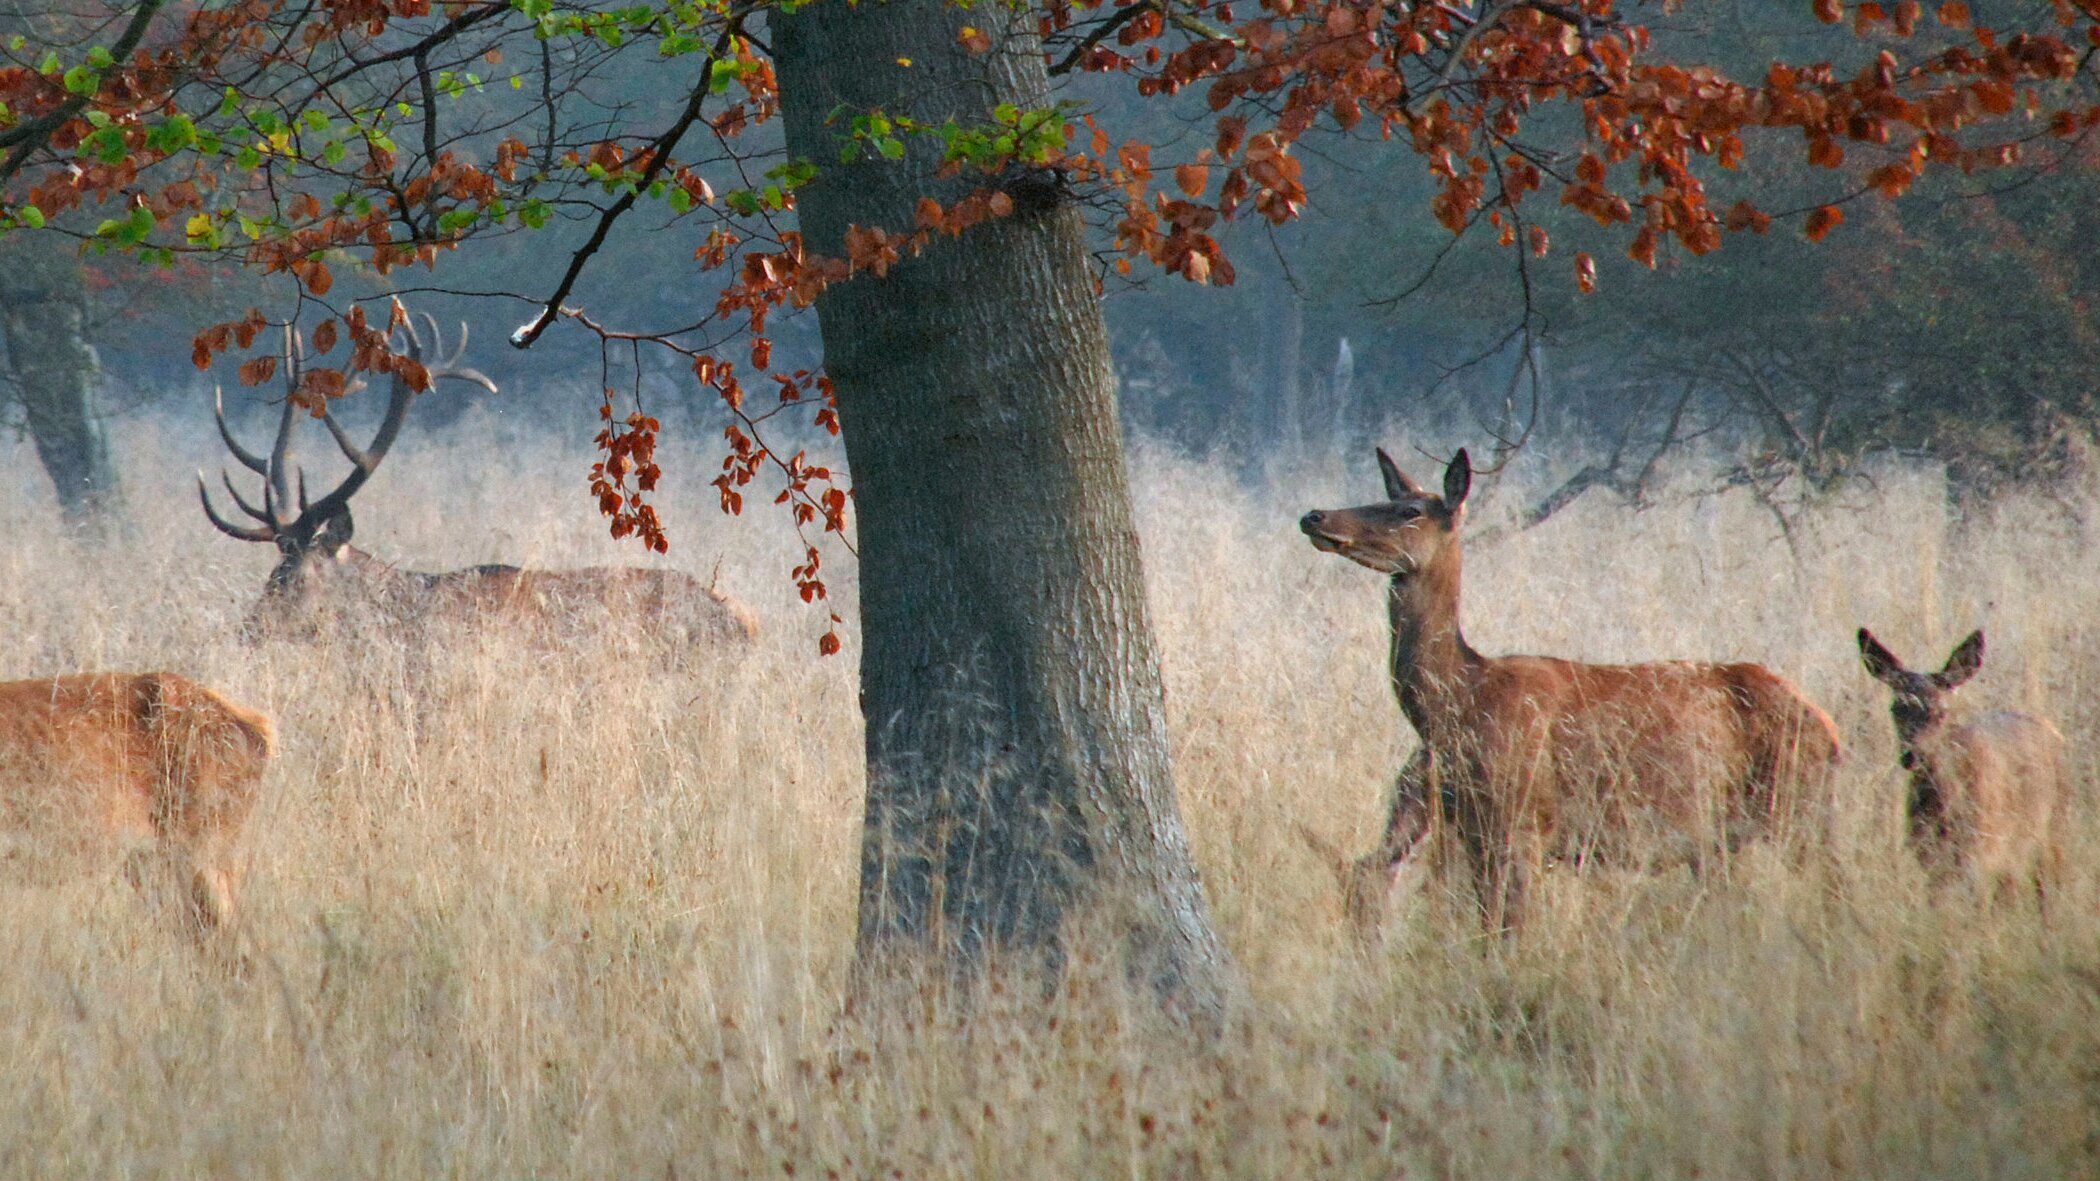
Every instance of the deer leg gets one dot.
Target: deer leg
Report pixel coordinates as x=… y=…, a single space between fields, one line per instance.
x=1370 y=878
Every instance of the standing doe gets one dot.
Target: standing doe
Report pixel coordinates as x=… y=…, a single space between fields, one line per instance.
x=1531 y=757
x=323 y=580
x=1986 y=796
x=98 y=764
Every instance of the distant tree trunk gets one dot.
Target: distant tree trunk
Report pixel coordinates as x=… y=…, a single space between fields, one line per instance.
x=1018 y=775
x=43 y=314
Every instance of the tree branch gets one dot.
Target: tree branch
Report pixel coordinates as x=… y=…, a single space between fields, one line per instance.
x=659 y=157
x=30 y=136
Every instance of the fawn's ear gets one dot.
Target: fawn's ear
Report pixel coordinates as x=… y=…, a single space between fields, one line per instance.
x=1397 y=485
x=1881 y=663
x=1458 y=480
x=1962 y=663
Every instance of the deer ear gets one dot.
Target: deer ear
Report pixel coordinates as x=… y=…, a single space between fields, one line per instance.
x=1458 y=480
x=1881 y=663
x=1397 y=485
x=335 y=532
x=1964 y=662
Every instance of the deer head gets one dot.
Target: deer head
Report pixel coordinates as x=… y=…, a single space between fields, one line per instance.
x=1920 y=701
x=1919 y=709
x=1408 y=533
x=316 y=537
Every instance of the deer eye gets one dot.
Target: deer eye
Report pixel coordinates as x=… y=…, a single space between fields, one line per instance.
x=1409 y=512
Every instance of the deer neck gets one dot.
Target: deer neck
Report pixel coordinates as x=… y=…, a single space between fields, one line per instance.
x=1927 y=805
x=1433 y=668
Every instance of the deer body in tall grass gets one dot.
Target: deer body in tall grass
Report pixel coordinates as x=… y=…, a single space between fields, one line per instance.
x=96 y=765
x=1988 y=796
x=1530 y=758
x=322 y=582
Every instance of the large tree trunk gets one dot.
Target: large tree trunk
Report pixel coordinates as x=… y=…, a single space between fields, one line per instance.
x=1018 y=776
x=43 y=313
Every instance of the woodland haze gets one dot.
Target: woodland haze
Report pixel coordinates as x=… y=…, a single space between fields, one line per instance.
x=513 y=911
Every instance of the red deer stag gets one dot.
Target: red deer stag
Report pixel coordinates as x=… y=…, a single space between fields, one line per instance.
x=1986 y=796
x=95 y=764
x=1531 y=757
x=323 y=578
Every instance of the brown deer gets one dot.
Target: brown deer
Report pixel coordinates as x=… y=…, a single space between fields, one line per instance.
x=97 y=764
x=323 y=580
x=1987 y=796
x=1530 y=757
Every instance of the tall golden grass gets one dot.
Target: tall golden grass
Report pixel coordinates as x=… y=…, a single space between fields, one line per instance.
x=515 y=913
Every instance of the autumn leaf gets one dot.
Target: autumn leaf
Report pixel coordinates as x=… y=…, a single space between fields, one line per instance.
x=974 y=39
x=1193 y=179
x=1585 y=272
x=1745 y=216
x=257 y=371
x=1823 y=220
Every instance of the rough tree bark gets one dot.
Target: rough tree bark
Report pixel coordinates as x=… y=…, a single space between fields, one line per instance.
x=43 y=314
x=1019 y=779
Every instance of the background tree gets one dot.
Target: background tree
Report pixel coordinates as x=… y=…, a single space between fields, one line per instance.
x=924 y=196
x=44 y=312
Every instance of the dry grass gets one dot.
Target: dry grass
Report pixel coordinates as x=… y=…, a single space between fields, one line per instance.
x=538 y=915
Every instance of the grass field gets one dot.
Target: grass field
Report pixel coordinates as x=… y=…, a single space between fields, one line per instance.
x=516 y=913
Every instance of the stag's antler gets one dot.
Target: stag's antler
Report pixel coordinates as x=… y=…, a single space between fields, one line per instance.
x=272 y=521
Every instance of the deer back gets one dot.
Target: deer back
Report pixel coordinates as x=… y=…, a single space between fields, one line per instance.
x=112 y=759
x=2001 y=783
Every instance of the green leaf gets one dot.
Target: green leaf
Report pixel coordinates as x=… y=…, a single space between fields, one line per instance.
x=82 y=81
x=172 y=134
x=50 y=65
x=680 y=200
x=333 y=152
x=1006 y=113
x=891 y=147
x=31 y=216
x=107 y=145
x=100 y=59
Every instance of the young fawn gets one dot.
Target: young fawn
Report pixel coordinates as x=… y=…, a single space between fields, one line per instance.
x=1987 y=796
x=1530 y=757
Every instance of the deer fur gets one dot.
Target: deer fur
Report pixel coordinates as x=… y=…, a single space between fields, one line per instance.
x=96 y=765
x=1527 y=758
x=1988 y=797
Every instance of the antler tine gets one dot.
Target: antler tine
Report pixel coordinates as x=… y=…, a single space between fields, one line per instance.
x=242 y=502
x=248 y=459
x=281 y=449
x=364 y=461
x=245 y=533
x=450 y=366
x=415 y=339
